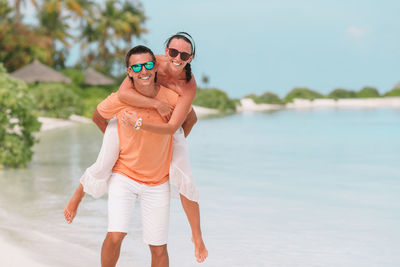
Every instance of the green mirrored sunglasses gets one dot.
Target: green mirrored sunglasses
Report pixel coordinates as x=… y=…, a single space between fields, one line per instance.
x=138 y=67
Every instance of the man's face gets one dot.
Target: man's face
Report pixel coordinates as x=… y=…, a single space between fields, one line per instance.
x=142 y=75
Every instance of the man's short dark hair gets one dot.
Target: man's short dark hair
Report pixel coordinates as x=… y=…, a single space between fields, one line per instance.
x=139 y=49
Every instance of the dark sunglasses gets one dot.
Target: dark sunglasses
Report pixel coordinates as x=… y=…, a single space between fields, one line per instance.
x=174 y=53
x=138 y=67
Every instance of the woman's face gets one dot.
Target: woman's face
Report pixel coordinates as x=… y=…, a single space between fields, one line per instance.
x=180 y=45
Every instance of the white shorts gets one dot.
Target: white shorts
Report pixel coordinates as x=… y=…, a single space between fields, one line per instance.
x=122 y=195
x=96 y=177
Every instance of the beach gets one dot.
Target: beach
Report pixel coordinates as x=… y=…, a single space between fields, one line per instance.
x=14 y=256
x=73 y=120
x=248 y=104
x=309 y=188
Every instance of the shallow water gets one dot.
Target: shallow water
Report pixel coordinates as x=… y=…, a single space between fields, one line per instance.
x=286 y=188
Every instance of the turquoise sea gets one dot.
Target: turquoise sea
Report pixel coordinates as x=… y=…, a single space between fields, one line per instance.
x=283 y=188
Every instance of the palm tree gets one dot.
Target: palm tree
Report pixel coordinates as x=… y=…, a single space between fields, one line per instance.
x=5 y=11
x=54 y=18
x=18 y=3
x=134 y=18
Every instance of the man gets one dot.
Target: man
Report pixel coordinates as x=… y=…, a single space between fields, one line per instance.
x=142 y=168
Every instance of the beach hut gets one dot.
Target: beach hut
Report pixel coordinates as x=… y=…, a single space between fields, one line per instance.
x=94 y=78
x=38 y=72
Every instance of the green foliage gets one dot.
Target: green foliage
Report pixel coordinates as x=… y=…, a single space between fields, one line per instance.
x=5 y=10
x=56 y=100
x=303 y=93
x=92 y=96
x=368 y=92
x=105 y=32
x=20 y=45
x=265 y=98
x=342 y=93
x=77 y=76
x=394 y=92
x=17 y=122
x=214 y=98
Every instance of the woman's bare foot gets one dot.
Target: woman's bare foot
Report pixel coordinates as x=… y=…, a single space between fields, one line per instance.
x=200 y=251
x=72 y=206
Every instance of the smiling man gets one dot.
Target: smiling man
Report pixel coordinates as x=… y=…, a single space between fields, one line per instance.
x=142 y=169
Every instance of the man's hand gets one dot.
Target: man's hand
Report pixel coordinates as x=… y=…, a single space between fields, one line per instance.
x=129 y=118
x=165 y=110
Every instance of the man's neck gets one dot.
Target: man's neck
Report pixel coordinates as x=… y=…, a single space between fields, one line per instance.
x=149 y=90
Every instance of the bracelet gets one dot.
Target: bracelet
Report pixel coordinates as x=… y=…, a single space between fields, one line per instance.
x=138 y=123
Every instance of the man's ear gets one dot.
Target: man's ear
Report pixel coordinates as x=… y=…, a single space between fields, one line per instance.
x=128 y=70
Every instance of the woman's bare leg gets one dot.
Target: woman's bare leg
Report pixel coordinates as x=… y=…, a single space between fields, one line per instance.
x=100 y=170
x=72 y=206
x=192 y=211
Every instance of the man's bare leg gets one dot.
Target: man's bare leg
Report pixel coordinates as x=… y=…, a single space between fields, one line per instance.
x=159 y=256
x=192 y=211
x=111 y=249
x=72 y=206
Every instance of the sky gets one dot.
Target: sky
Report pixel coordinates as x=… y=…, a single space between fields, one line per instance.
x=256 y=46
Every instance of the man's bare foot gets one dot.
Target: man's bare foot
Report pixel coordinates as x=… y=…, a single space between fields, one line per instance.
x=72 y=206
x=200 y=251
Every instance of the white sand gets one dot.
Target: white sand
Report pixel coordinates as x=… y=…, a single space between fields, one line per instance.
x=248 y=104
x=202 y=111
x=54 y=123
x=13 y=256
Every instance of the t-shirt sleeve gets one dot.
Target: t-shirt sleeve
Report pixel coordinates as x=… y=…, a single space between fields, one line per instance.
x=110 y=106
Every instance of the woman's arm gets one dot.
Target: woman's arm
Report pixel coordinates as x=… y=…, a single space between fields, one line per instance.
x=128 y=95
x=190 y=121
x=178 y=115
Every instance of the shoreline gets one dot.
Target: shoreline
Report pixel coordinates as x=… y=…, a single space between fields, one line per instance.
x=56 y=123
x=247 y=104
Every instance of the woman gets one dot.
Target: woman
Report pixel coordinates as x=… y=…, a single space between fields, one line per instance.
x=174 y=72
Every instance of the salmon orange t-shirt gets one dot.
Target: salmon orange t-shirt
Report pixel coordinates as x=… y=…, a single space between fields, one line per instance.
x=144 y=156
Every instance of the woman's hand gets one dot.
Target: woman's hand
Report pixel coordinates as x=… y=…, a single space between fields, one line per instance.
x=129 y=118
x=165 y=110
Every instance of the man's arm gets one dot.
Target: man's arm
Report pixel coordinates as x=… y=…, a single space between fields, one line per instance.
x=190 y=121
x=99 y=121
x=128 y=95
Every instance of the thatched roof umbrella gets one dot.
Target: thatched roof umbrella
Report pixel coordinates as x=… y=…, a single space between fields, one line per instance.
x=38 y=72
x=397 y=85
x=93 y=77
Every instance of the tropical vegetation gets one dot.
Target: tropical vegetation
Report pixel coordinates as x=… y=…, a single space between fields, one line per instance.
x=342 y=93
x=104 y=31
x=265 y=98
x=18 y=121
x=305 y=93
x=394 y=92
x=214 y=98
x=368 y=92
